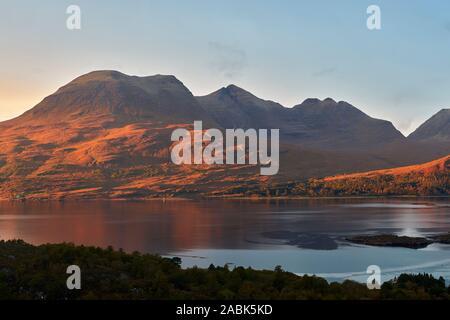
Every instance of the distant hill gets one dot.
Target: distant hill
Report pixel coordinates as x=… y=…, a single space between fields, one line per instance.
x=429 y=179
x=436 y=167
x=432 y=178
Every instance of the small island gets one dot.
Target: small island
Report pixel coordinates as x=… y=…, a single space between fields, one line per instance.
x=303 y=240
x=387 y=240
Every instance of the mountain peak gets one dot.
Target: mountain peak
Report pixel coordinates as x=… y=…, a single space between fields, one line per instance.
x=99 y=75
x=234 y=107
x=316 y=102
x=310 y=101
x=113 y=75
x=327 y=104
x=115 y=96
x=232 y=90
x=347 y=125
x=444 y=111
x=234 y=87
x=241 y=98
x=436 y=128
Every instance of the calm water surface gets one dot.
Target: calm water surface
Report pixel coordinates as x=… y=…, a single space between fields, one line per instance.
x=247 y=233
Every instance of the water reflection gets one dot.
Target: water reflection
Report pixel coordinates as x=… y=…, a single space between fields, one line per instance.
x=157 y=226
x=235 y=230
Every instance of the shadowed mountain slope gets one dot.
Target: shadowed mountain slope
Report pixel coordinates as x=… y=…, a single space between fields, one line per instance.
x=318 y=124
x=233 y=107
x=436 y=129
x=339 y=125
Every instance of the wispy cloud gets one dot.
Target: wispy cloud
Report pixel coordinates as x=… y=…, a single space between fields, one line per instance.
x=324 y=72
x=447 y=26
x=411 y=98
x=228 y=60
x=407 y=125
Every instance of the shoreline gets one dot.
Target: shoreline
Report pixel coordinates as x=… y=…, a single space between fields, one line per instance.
x=208 y=198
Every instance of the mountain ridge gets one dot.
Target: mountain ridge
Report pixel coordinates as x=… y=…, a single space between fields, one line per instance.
x=107 y=135
x=234 y=107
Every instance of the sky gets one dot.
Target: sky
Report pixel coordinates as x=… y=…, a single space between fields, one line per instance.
x=280 y=50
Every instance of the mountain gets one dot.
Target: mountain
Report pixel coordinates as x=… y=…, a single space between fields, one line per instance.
x=338 y=125
x=316 y=124
x=317 y=131
x=436 y=129
x=233 y=107
x=107 y=135
x=114 y=96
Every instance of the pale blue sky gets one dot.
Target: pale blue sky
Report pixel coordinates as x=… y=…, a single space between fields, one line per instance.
x=280 y=50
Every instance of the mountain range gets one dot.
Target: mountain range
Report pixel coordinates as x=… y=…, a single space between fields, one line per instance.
x=323 y=124
x=107 y=135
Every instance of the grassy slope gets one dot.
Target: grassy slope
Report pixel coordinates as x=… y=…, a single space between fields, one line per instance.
x=429 y=179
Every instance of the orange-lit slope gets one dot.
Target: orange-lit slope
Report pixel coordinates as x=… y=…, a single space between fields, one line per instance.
x=436 y=166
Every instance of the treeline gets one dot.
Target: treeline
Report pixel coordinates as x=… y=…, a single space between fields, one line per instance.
x=414 y=184
x=39 y=272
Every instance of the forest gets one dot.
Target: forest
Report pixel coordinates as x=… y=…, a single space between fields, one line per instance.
x=30 y=272
x=412 y=184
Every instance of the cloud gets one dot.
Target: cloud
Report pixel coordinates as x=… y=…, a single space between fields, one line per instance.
x=324 y=72
x=228 y=60
x=406 y=125
x=409 y=95
x=407 y=102
x=447 y=26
